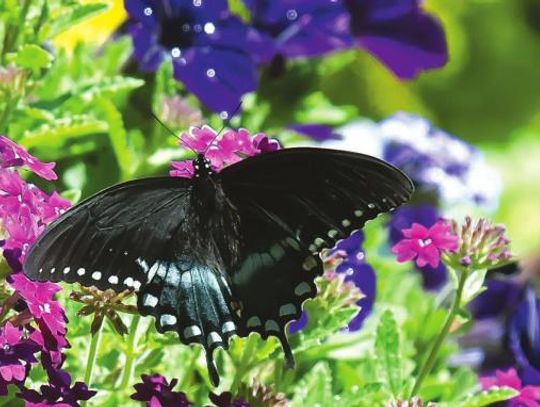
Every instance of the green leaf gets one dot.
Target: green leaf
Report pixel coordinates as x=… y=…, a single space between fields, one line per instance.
x=72 y=15
x=57 y=132
x=72 y=195
x=387 y=352
x=118 y=136
x=33 y=57
x=315 y=388
x=488 y=397
x=474 y=286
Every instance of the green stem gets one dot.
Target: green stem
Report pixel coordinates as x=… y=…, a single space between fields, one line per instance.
x=190 y=368
x=131 y=354
x=243 y=366
x=430 y=361
x=92 y=356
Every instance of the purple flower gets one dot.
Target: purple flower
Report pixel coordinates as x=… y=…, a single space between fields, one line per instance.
x=59 y=391
x=157 y=392
x=359 y=272
x=524 y=337
x=13 y=155
x=47 y=312
x=229 y=148
x=440 y=164
x=16 y=355
x=209 y=48
x=427 y=215
x=316 y=132
x=302 y=28
x=226 y=399
x=500 y=298
x=399 y=33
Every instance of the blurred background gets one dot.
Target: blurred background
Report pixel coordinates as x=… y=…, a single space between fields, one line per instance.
x=488 y=94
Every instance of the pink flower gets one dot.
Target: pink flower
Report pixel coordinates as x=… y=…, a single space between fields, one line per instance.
x=426 y=245
x=13 y=155
x=529 y=396
x=223 y=150
x=47 y=312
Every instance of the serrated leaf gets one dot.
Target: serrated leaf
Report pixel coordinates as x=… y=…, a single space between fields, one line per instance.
x=33 y=57
x=72 y=15
x=387 y=352
x=488 y=397
x=118 y=136
x=57 y=132
x=108 y=87
x=315 y=388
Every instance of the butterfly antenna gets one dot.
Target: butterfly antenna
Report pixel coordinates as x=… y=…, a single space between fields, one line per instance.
x=225 y=124
x=157 y=119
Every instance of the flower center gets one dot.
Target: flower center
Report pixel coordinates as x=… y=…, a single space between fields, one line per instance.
x=179 y=32
x=424 y=242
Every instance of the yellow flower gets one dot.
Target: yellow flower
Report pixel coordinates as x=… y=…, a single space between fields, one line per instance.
x=96 y=29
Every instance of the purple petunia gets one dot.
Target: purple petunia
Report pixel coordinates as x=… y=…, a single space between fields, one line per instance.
x=156 y=391
x=210 y=49
x=400 y=34
x=303 y=28
x=59 y=391
x=229 y=148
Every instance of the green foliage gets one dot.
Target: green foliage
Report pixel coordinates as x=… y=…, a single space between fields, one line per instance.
x=387 y=353
x=489 y=397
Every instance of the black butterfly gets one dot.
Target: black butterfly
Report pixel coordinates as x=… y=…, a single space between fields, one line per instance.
x=220 y=254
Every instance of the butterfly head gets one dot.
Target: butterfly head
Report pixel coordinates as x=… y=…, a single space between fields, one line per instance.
x=202 y=166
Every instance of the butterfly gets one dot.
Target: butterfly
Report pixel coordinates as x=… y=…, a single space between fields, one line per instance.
x=220 y=254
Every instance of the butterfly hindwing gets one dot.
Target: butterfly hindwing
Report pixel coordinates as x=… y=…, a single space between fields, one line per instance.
x=102 y=240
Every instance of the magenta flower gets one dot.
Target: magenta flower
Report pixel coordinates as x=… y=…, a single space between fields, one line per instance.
x=156 y=391
x=223 y=150
x=46 y=311
x=426 y=245
x=529 y=396
x=13 y=155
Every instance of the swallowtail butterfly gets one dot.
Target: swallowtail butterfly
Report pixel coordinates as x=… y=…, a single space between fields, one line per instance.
x=220 y=254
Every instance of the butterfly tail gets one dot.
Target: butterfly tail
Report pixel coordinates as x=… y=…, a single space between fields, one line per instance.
x=212 y=369
x=289 y=357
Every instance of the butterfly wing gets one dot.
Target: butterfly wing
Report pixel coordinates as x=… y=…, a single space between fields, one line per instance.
x=102 y=241
x=292 y=204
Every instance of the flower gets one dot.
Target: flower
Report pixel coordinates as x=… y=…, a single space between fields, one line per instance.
x=177 y=112
x=426 y=245
x=211 y=50
x=414 y=402
x=104 y=304
x=427 y=215
x=302 y=28
x=157 y=392
x=16 y=355
x=225 y=399
x=400 y=34
x=528 y=395
x=255 y=395
x=523 y=337
x=316 y=132
x=59 y=391
x=352 y=263
x=13 y=155
x=47 y=312
x=229 y=148
x=481 y=244
x=446 y=169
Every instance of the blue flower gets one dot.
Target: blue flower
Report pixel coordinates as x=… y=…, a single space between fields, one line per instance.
x=302 y=28
x=316 y=132
x=427 y=215
x=524 y=337
x=211 y=50
x=399 y=33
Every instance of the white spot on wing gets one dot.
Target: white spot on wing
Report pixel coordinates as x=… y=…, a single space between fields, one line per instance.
x=287 y=309
x=167 y=320
x=81 y=271
x=358 y=213
x=213 y=337
x=254 y=322
x=66 y=270
x=113 y=279
x=150 y=300
x=302 y=288
x=228 y=326
x=271 y=325
x=192 y=331
x=346 y=223
x=96 y=275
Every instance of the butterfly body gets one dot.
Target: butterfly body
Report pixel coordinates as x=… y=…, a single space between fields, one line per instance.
x=223 y=253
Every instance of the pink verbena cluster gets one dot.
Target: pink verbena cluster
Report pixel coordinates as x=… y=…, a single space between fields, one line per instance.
x=37 y=325
x=221 y=150
x=527 y=395
x=426 y=245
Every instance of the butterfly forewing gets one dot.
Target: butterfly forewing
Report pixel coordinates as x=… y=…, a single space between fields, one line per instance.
x=102 y=240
